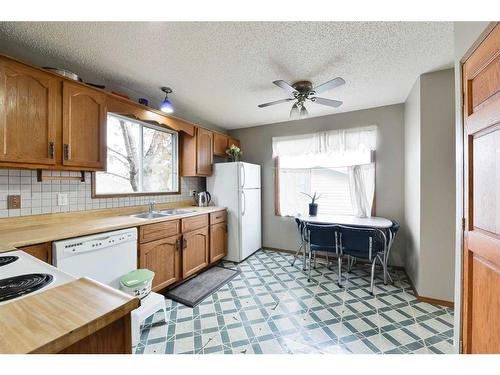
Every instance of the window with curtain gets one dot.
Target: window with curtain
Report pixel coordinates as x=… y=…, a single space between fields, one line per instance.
x=338 y=164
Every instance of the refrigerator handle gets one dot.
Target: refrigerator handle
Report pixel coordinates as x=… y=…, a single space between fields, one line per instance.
x=243 y=203
x=242 y=175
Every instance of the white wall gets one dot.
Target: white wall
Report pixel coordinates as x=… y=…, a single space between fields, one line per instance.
x=281 y=232
x=466 y=36
x=430 y=185
x=412 y=181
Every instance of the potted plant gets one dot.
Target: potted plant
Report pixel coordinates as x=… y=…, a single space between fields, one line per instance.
x=235 y=152
x=313 y=206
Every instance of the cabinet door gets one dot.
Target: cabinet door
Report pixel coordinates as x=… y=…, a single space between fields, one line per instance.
x=220 y=144
x=195 y=252
x=27 y=114
x=204 y=155
x=41 y=251
x=163 y=258
x=218 y=241
x=84 y=127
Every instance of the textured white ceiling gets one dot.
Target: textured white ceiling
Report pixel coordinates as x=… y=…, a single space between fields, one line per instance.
x=221 y=71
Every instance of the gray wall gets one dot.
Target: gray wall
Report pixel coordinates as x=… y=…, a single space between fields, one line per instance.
x=412 y=181
x=280 y=232
x=466 y=36
x=430 y=184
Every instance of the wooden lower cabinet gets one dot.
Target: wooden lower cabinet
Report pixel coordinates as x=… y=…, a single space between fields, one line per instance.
x=41 y=251
x=195 y=252
x=218 y=242
x=163 y=258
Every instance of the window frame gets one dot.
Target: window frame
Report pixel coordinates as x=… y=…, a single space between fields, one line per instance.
x=156 y=126
x=277 y=210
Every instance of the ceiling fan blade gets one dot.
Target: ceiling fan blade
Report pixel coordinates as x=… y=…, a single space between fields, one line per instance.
x=328 y=102
x=275 y=102
x=285 y=86
x=329 y=85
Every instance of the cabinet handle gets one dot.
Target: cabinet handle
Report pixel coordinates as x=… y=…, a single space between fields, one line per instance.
x=66 y=151
x=51 y=150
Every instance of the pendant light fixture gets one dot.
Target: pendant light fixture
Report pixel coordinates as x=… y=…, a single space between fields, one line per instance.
x=166 y=105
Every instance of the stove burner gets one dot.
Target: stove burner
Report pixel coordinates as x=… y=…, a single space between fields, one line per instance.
x=18 y=286
x=8 y=259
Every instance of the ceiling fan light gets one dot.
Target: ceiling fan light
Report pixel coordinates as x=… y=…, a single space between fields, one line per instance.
x=294 y=112
x=303 y=112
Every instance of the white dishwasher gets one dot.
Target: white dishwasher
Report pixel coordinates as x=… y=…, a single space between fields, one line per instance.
x=104 y=257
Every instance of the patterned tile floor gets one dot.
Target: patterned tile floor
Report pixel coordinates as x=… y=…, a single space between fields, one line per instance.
x=270 y=308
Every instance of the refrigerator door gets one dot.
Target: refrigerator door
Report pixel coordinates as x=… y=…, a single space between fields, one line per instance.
x=248 y=176
x=250 y=222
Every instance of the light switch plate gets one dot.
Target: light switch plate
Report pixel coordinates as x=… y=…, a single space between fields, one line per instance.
x=13 y=202
x=62 y=199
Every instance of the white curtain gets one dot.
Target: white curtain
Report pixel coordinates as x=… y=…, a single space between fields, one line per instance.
x=362 y=188
x=350 y=148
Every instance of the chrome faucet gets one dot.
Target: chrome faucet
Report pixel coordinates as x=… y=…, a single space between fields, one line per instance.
x=152 y=206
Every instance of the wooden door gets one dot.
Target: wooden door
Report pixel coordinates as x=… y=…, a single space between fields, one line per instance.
x=27 y=114
x=163 y=258
x=195 y=252
x=220 y=144
x=218 y=241
x=481 y=262
x=84 y=127
x=204 y=154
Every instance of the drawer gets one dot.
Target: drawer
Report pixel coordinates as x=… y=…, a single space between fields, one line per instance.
x=218 y=217
x=151 y=232
x=195 y=222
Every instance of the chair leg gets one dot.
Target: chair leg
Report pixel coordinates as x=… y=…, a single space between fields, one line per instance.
x=373 y=275
x=339 y=261
x=310 y=266
x=305 y=258
x=327 y=261
x=315 y=260
x=297 y=254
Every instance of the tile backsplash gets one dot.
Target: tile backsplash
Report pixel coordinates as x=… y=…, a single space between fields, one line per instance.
x=41 y=197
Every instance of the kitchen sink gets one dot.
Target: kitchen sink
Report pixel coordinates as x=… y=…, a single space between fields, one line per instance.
x=176 y=212
x=149 y=215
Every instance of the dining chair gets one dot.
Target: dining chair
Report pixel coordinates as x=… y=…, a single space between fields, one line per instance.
x=362 y=243
x=302 y=247
x=321 y=237
x=391 y=236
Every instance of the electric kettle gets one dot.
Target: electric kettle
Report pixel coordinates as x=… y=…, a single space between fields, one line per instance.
x=203 y=198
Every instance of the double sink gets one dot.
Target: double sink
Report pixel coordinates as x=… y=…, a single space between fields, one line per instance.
x=163 y=213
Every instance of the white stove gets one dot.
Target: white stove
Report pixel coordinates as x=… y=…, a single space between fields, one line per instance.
x=23 y=275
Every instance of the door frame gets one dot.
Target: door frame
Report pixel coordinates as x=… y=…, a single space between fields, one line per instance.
x=460 y=186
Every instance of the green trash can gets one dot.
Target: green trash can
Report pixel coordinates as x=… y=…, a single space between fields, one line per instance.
x=137 y=282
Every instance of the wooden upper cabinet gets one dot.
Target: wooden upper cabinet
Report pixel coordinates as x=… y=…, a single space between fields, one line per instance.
x=220 y=144
x=28 y=100
x=204 y=154
x=84 y=127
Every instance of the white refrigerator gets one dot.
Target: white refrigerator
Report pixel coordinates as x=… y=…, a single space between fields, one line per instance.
x=237 y=187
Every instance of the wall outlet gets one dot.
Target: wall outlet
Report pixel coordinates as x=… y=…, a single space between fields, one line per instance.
x=13 y=202
x=62 y=199
x=192 y=193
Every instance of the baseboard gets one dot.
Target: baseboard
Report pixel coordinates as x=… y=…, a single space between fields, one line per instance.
x=433 y=301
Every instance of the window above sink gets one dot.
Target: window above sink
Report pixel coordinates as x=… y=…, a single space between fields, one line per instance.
x=142 y=159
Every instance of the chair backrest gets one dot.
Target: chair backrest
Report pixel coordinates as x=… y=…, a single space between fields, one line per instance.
x=394 y=228
x=361 y=242
x=322 y=236
x=300 y=227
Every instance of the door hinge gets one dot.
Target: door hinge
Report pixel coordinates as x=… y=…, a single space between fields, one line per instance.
x=178 y=244
x=460 y=347
x=463 y=224
x=184 y=243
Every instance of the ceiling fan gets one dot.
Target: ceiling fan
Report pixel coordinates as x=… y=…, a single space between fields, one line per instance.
x=304 y=90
